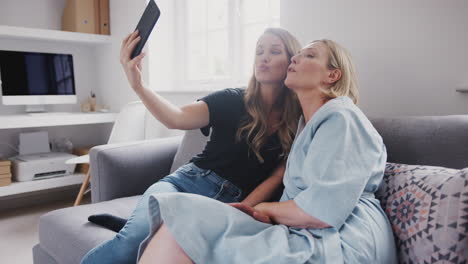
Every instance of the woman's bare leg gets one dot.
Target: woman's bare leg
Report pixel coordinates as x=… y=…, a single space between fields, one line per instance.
x=163 y=248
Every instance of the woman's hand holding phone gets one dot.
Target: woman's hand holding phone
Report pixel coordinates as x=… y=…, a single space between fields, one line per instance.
x=132 y=67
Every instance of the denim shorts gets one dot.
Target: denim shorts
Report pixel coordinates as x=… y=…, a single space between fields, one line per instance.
x=192 y=179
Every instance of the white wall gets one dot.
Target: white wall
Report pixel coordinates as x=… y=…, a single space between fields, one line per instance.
x=410 y=55
x=46 y=14
x=114 y=86
x=32 y=13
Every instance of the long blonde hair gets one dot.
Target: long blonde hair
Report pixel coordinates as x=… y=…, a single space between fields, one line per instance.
x=339 y=58
x=255 y=126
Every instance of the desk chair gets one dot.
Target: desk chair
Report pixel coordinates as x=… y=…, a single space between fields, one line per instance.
x=128 y=126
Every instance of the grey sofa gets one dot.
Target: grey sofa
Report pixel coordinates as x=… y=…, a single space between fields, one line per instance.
x=122 y=172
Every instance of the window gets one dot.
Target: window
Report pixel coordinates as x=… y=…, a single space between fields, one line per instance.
x=215 y=40
x=255 y=20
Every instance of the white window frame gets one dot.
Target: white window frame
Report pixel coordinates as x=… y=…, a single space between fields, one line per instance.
x=235 y=40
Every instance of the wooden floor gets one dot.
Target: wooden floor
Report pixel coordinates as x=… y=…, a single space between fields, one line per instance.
x=18 y=230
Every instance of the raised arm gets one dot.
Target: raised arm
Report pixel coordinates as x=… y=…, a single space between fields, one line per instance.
x=192 y=116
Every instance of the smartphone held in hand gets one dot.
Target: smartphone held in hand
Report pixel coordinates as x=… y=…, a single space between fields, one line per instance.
x=145 y=26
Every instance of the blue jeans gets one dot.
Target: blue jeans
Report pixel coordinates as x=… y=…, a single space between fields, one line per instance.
x=123 y=248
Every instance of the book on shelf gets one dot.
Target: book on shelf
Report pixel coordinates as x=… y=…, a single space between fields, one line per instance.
x=5 y=170
x=86 y=16
x=104 y=27
x=5 y=175
x=5 y=181
x=5 y=167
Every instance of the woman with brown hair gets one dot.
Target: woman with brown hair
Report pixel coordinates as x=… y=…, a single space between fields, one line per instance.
x=252 y=131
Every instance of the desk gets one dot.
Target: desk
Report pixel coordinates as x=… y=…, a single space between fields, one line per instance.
x=51 y=119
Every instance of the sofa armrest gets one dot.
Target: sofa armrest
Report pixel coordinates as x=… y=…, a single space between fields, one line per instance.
x=127 y=169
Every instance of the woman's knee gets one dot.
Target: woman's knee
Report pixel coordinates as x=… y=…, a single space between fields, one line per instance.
x=163 y=248
x=161 y=187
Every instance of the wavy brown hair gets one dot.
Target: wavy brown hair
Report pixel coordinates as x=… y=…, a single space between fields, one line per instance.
x=255 y=126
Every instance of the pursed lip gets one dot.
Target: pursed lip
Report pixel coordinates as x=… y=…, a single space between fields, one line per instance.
x=263 y=67
x=291 y=69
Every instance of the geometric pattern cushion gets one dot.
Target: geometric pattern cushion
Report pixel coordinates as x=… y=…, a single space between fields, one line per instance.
x=428 y=210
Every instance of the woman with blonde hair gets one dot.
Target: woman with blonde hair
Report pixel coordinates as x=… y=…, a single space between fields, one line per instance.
x=251 y=135
x=327 y=213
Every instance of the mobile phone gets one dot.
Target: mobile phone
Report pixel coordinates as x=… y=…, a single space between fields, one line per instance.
x=145 y=26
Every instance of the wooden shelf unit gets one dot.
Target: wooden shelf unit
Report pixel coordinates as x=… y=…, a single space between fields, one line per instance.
x=16 y=188
x=54 y=119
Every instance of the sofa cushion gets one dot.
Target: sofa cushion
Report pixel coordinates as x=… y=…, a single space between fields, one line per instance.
x=192 y=144
x=428 y=209
x=42 y=257
x=66 y=235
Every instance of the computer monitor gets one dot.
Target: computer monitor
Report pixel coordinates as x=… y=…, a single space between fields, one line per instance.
x=36 y=79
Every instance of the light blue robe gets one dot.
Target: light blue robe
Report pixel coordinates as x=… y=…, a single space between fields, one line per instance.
x=335 y=166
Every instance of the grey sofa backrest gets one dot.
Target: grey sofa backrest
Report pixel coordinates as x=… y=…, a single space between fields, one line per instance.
x=425 y=140
x=418 y=140
x=192 y=144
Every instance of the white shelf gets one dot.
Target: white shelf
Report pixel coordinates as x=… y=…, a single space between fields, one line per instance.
x=39 y=185
x=11 y=32
x=54 y=119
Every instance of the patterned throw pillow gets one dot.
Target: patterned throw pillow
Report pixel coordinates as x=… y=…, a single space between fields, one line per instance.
x=428 y=209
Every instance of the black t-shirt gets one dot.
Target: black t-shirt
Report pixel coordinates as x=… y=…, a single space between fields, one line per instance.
x=231 y=159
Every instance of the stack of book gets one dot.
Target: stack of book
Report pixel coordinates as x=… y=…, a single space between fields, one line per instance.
x=5 y=173
x=86 y=16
